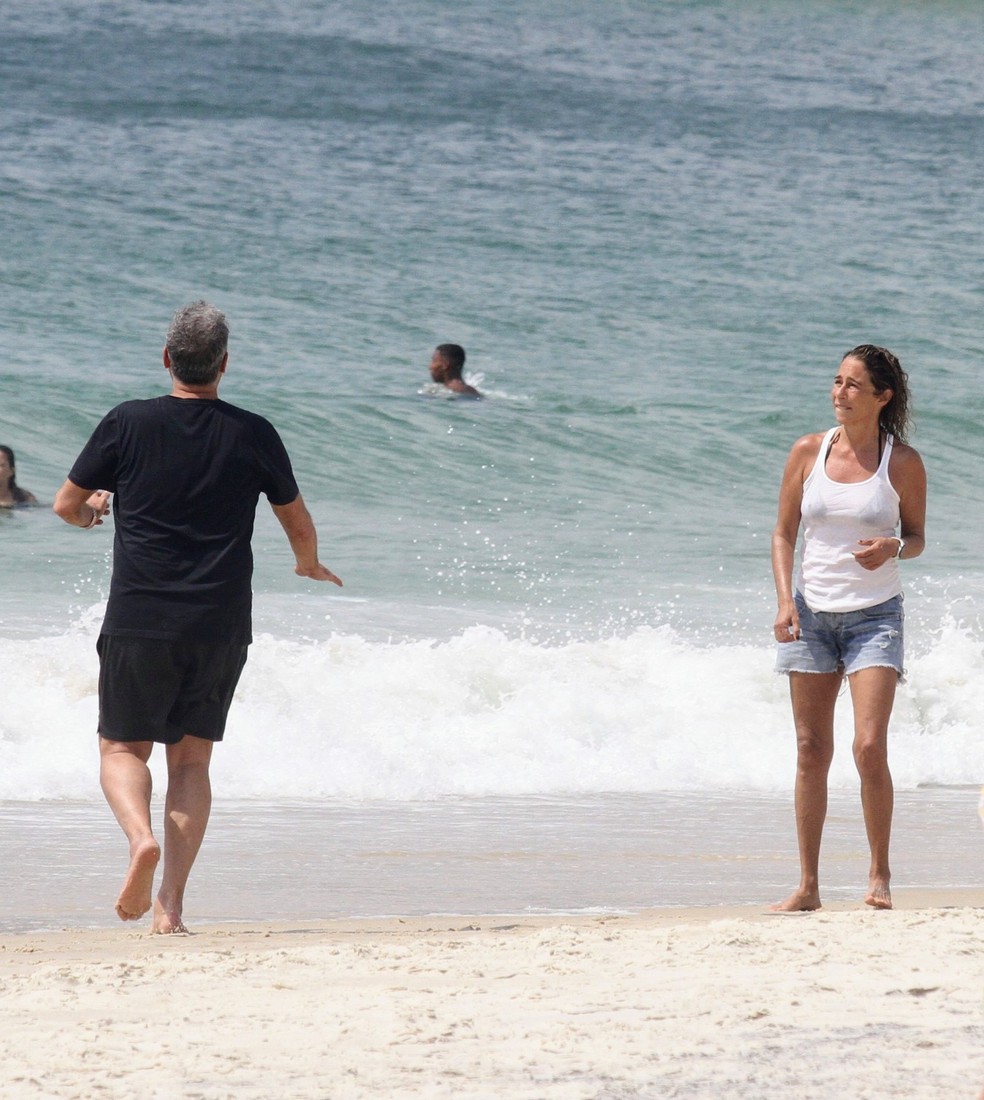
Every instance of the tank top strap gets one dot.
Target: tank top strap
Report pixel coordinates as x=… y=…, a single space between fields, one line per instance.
x=886 y=456
x=822 y=453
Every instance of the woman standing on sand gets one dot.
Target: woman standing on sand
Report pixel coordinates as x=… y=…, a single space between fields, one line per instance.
x=851 y=487
x=11 y=494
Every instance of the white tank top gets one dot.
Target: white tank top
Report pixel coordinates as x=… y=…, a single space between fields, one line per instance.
x=835 y=516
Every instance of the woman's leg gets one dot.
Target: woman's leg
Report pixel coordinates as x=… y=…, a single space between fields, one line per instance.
x=813 y=697
x=873 y=694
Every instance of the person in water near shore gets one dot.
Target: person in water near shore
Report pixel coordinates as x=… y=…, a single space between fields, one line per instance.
x=11 y=494
x=187 y=470
x=446 y=366
x=859 y=491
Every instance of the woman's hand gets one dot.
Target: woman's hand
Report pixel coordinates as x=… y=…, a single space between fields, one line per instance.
x=876 y=552
x=787 y=626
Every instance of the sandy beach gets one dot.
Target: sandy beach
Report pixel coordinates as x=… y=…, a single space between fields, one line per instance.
x=709 y=1002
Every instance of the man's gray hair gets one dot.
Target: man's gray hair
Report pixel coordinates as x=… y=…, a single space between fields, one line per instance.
x=197 y=340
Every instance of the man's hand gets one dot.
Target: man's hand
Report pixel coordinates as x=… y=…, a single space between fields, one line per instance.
x=318 y=572
x=299 y=529
x=81 y=507
x=99 y=503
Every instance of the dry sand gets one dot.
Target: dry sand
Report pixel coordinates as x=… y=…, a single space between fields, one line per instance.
x=846 y=1003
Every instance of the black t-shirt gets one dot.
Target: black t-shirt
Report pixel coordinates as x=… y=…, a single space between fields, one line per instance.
x=186 y=475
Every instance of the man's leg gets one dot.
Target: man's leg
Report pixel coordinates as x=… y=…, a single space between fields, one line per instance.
x=873 y=694
x=813 y=695
x=186 y=810
x=126 y=783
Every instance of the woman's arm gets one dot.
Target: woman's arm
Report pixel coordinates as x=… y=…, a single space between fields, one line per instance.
x=908 y=477
x=800 y=461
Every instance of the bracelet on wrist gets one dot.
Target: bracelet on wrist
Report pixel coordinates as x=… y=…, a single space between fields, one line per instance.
x=901 y=548
x=92 y=522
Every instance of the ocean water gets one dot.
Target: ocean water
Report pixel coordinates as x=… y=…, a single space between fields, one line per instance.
x=654 y=226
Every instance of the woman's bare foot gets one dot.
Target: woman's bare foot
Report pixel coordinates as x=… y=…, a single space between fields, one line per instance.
x=879 y=896
x=167 y=922
x=800 y=901
x=134 y=899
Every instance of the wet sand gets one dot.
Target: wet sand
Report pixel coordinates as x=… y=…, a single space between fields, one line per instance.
x=577 y=854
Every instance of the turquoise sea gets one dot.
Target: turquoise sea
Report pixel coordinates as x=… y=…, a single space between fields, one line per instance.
x=655 y=227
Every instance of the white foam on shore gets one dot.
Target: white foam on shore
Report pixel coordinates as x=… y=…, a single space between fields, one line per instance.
x=486 y=714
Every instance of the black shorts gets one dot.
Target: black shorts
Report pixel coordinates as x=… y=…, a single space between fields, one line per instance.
x=154 y=689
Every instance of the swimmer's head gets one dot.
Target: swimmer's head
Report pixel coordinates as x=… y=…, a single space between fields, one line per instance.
x=447 y=362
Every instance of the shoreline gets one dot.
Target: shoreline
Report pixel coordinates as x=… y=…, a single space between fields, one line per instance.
x=692 y=1002
x=905 y=900
x=580 y=855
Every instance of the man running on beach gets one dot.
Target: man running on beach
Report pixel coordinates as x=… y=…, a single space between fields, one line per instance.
x=187 y=470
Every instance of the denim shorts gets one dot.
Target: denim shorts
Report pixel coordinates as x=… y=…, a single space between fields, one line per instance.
x=845 y=641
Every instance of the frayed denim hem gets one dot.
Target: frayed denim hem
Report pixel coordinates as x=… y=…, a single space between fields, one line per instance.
x=816 y=672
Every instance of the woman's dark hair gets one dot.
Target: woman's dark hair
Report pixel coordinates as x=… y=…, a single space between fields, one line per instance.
x=19 y=495
x=886 y=373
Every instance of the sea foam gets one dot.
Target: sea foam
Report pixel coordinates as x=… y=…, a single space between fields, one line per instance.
x=482 y=713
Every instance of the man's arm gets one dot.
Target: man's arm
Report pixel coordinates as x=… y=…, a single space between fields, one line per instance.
x=303 y=538
x=81 y=507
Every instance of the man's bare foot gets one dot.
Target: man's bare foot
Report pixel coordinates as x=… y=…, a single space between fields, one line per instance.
x=800 y=901
x=134 y=899
x=167 y=922
x=879 y=896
